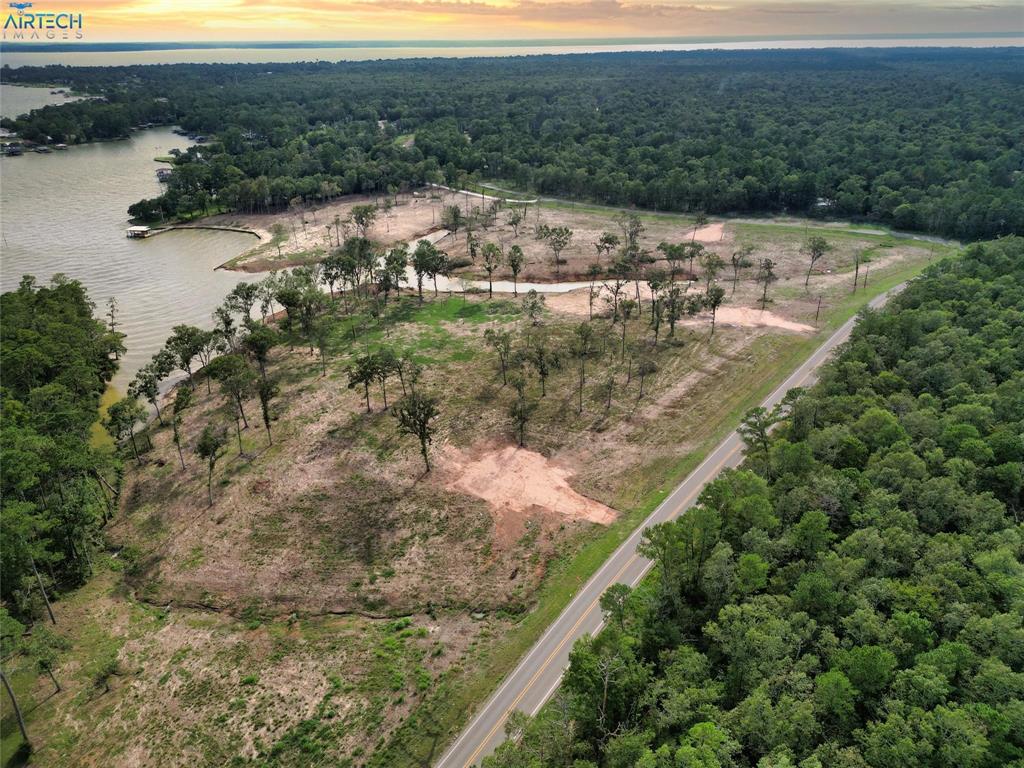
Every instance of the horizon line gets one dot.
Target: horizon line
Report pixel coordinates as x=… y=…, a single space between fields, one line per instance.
x=151 y=45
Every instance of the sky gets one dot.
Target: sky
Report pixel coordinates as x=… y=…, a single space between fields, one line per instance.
x=234 y=20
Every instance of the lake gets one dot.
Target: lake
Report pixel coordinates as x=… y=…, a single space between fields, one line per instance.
x=67 y=212
x=237 y=53
x=16 y=101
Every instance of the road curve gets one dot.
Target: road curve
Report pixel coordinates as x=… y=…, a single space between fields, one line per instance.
x=539 y=673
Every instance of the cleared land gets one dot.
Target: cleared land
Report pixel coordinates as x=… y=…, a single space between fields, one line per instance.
x=337 y=606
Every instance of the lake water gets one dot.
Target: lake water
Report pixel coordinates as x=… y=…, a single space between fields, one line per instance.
x=19 y=101
x=67 y=212
x=236 y=54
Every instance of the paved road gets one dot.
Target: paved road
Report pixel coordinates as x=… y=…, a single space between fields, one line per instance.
x=539 y=673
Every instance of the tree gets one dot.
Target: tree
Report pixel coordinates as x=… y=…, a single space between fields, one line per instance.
x=267 y=391
x=236 y=380
x=711 y=264
x=544 y=361
x=700 y=220
x=43 y=648
x=396 y=262
x=415 y=414
x=243 y=298
x=558 y=240
x=17 y=711
x=385 y=365
x=210 y=448
x=185 y=342
x=693 y=251
x=632 y=227
x=521 y=411
x=815 y=247
x=334 y=268
x=500 y=341
x=626 y=307
x=673 y=308
x=765 y=277
x=337 y=228
x=515 y=218
x=533 y=306
x=311 y=304
x=613 y=605
x=674 y=254
x=581 y=346
x=363 y=217
x=267 y=294
x=452 y=219
x=645 y=367
x=515 y=264
x=112 y=323
x=869 y=668
x=606 y=243
x=619 y=278
x=492 y=261
x=122 y=416
x=754 y=431
x=146 y=384
x=713 y=300
x=258 y=343
x=213 y=344
x=593 y=272
x=408 y=371
x=438 y=265
x=857 y=256
x=834 y=701
x=224 y=326
x=322 y=338
x=740 y=260
x=424 y=259
x=182 y=401
x=362 y=373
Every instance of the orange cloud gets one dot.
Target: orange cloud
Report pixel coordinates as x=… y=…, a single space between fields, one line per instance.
x=206 y=20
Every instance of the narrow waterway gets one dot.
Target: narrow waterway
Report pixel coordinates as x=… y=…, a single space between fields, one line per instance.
x=66 y=212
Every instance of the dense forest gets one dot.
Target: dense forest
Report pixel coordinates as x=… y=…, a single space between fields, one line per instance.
x=929 y=140
x=57 y=360
x=852 y=595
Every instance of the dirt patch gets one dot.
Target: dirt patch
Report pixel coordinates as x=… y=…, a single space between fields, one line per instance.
x=578 y=303
x=748 y=317
x=516 y=482
x=301 y=235
x=711 y=233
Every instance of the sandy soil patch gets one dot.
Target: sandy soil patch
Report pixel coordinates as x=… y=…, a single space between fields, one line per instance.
x=311 y=232
x=748 y=317
x=577 y=303
x=516 y=481
x=711 y=233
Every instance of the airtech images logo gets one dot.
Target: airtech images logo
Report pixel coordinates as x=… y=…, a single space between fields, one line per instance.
x=24 y=23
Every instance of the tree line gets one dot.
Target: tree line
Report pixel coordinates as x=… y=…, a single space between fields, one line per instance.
x=926 y=140
x=59 y=489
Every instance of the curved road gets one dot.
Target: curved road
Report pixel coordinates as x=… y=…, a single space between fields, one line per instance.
x=539 y=673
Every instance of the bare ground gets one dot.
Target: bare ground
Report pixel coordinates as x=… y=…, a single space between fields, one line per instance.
x=519 y=483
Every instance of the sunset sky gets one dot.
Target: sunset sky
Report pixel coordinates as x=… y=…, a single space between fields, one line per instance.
x=180 y=20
